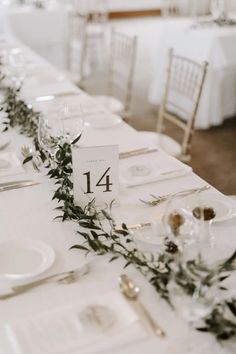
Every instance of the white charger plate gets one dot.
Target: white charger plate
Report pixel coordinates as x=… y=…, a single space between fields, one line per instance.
x=23 y=259
x=101 y=121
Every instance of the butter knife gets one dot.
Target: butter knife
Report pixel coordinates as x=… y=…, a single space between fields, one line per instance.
x=134 y=226
x=141 y=151
x=18 y=185
x=12 y=183
x=52 y=97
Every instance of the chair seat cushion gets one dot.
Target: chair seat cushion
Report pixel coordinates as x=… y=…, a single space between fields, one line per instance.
x=163 y=141
x=95 y=30
x=109 y=102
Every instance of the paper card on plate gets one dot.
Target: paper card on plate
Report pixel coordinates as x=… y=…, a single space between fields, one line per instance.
x=95 y=174
x=95 y=325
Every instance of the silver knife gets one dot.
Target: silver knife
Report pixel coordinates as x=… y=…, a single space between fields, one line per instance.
x=12 y=183
x=52 y=97
x=134 y=226
x=4 y=146
x=141 y=151
x=17 y=186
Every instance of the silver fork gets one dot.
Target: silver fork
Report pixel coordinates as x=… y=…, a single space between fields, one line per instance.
x=60 y=278
x=159 y=199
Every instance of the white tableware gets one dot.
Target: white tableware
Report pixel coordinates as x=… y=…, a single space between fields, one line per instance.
x=100 y=121
x=24 y=259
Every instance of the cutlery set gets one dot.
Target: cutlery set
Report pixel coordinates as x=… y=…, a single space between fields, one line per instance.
x=67 y=277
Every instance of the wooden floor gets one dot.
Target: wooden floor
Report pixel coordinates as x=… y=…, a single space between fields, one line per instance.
x=213 y=150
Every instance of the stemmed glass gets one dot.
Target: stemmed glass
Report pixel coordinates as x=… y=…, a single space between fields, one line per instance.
x=219 y=9
x=187 y=220
x=16 y=63
x=50 y=134
x=204 y=215
x=181 y=226
x=54 y=130
x=72 y=128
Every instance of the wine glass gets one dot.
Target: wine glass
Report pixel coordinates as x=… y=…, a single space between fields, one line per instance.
x=50 y=133
x=16 y=62
x=219 y=9
x=181 y=226
x=204 y=215
x=72 y=128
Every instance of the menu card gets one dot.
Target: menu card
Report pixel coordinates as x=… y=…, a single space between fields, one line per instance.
x=95 y=326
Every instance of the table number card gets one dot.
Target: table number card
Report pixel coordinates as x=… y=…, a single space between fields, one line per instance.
x=95 y=173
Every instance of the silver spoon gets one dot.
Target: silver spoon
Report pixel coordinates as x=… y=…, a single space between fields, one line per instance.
x=131 y=292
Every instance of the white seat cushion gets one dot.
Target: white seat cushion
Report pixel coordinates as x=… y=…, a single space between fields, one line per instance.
x=95 y=30
x=109 y=102
x=165 y=142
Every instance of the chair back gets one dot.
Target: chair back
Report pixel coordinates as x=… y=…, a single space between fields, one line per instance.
x=121 y=67
x=77 y=43
x=98 y=10
x=182 y=92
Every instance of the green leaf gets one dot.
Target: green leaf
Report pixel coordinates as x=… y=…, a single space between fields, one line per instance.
x=27 y=159
x=79 y=247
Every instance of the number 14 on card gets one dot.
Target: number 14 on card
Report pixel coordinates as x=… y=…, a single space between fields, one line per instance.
x=107 y=184
x=95 y=173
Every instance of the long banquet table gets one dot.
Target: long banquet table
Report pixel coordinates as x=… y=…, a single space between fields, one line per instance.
x=28 y=213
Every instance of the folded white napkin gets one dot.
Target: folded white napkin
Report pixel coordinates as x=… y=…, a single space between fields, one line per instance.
x=10 y=165
x=96 y=326
x=150 y=168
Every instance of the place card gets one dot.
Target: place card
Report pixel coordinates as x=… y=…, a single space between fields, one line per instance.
x=91 y=325
x=95 y=174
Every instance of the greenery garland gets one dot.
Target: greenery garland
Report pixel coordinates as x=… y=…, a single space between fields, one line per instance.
x=98 y=232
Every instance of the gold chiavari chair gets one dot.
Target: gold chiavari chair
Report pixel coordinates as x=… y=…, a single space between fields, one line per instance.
x=121 y=68
x=77 y=47
x=182 y=92
x=96 y=32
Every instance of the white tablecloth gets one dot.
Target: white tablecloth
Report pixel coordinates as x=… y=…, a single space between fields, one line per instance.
x=28 y=213
x=43 y=30
x=212 y=44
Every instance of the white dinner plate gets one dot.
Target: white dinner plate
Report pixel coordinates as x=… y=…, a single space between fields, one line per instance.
x=100 y=121
x=23 y=259
x=224 y=208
